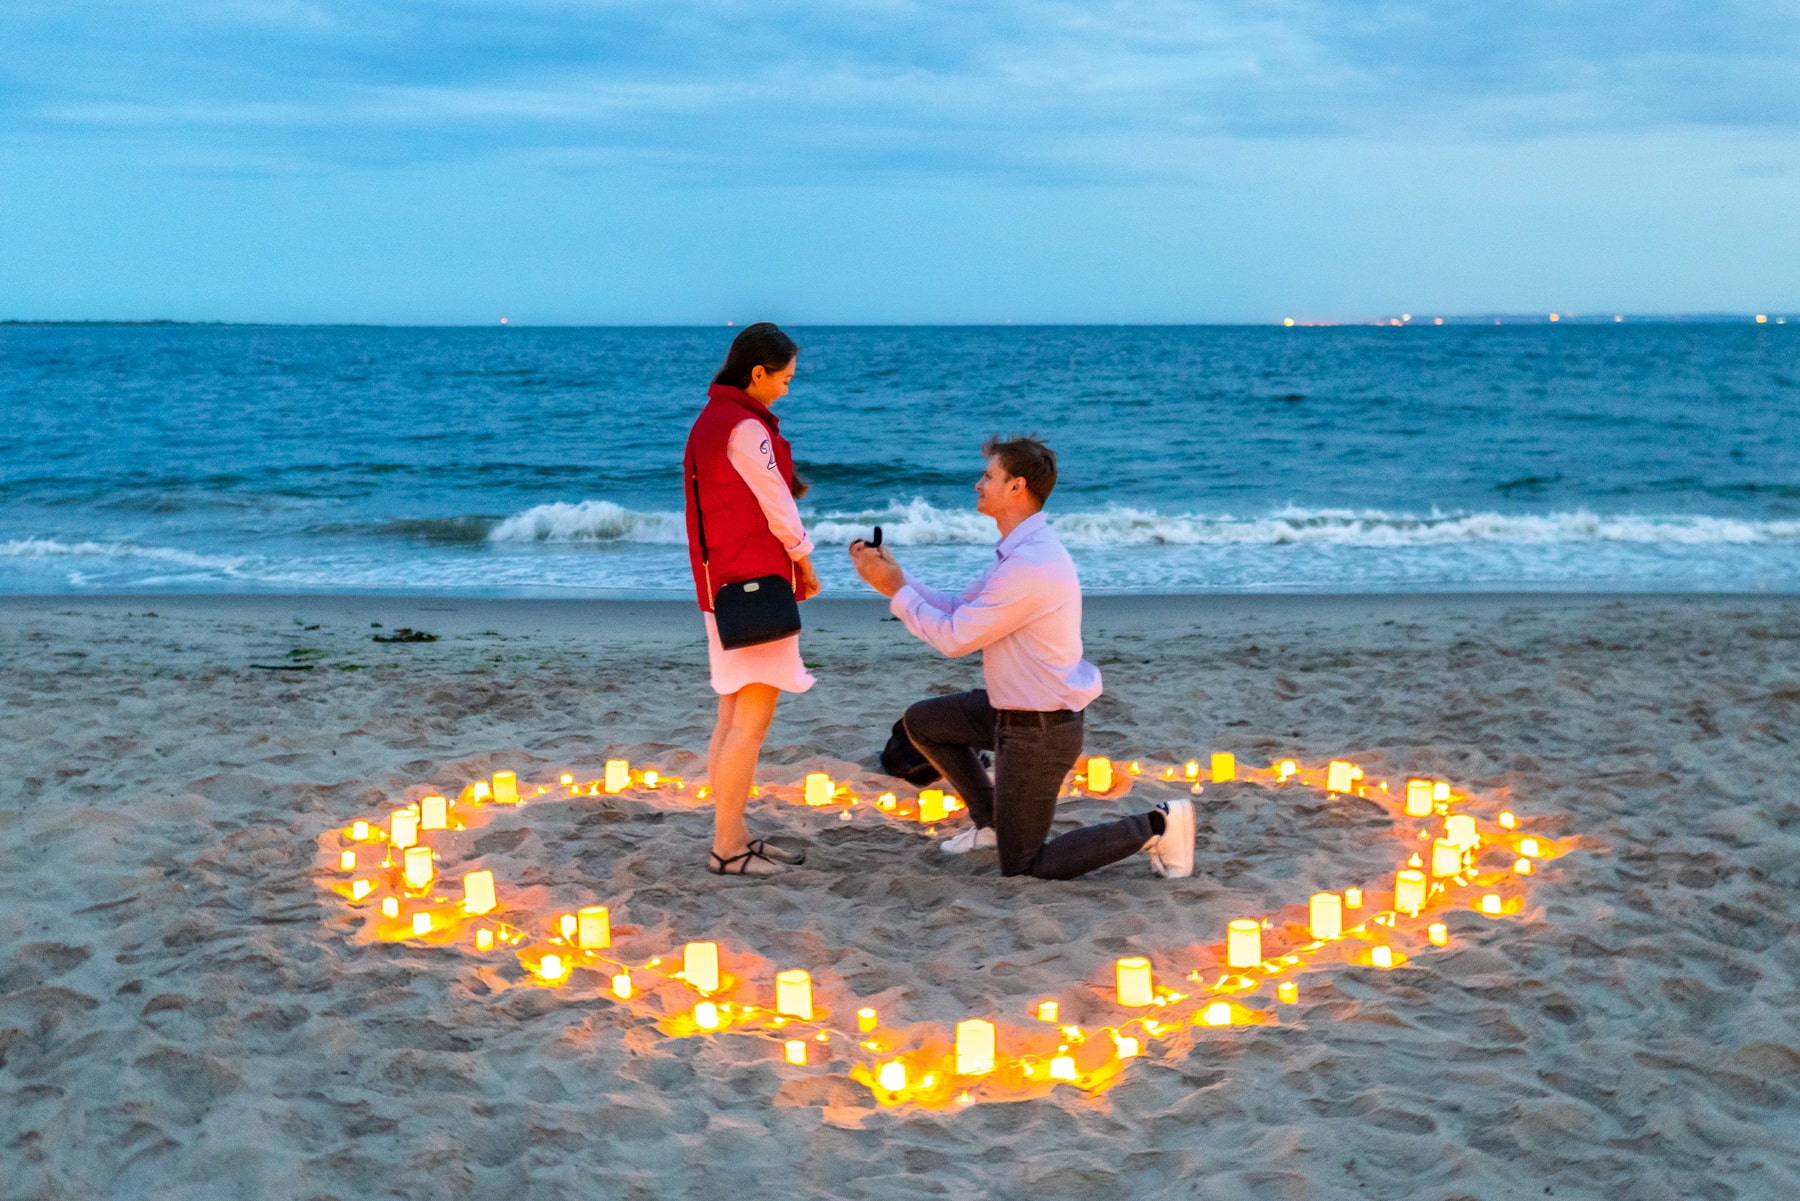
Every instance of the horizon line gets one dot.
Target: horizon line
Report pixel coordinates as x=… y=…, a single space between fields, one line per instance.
x=1405 y=320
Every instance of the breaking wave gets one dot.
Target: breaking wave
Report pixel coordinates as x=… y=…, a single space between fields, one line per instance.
x=52 y=548
x=918 y=523
x=589 y=521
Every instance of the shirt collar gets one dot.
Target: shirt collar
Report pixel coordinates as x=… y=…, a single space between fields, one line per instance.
x=1021 y=532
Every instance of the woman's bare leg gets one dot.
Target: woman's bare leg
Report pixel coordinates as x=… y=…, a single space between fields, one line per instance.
x=737 y=741
x=721 y=727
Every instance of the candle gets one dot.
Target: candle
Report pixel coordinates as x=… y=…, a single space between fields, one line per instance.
x=974 y=1047
x=793 y=994
x=1382 y=956
x=706 y=1015
x=1047 y=1011
x=892 y=1076
x=818 y=788
x=1062 y=1067
x=1326 y=914
x=478 y=893
x=651 y=776
x=1446 y=858
x=593 y=928
x=1440 y=791
x=1128 y=1047
x=360 y=889
x=359 y=830
x=618 y=775
x=796 y=1051
x=421 y=924
x=1523 y=867
x=434 y=813
x=418 y=870
x=1224 y=766
x=566 y=779
x=347 y=861
x=1243 y=942
x=1099 y=773
x=1460 y=829
x=1287 y=992
x=1286 y=768
x=403 y=828
x=886 y=800
x=1191 y=769
x=700 y=965
x=484 y=939
x=1490 y=905
x=1132 y=981
x=621 y=986
x=506 y=788
x=1353 y=898
x=1409 y=891
x=931 y=805
x=1438 y=933
x=390 y=906
x=1509 y=821
x=1528 y=847
x=1418 y=798
x=1338 y=777
x=1217 y=1014
x=865 y=1020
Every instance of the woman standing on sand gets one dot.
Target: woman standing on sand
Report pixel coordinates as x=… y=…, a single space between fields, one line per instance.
x=743 y=528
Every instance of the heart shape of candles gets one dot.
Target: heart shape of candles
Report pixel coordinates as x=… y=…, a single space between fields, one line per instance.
x=407 y=875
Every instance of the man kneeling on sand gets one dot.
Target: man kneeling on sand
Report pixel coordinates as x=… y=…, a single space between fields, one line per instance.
x=1024 y=615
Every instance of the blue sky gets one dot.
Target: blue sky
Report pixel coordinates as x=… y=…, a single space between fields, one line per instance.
x=627 y=162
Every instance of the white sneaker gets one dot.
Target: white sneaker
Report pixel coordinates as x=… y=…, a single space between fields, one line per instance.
x=1172 y=851
x=975 y=838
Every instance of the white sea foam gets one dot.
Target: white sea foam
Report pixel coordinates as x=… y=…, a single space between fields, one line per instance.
x=918 y=523
x=52 y=548
x=589 y=521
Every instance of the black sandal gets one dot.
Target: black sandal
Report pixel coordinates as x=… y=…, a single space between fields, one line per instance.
x=748 y=864
x=769 y=850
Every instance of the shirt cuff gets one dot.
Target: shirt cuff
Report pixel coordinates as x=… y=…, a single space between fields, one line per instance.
x=801 y=549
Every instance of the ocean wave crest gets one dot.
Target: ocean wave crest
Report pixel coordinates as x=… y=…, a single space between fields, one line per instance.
x=52 y=548
x=919 y=523
x=590 y=521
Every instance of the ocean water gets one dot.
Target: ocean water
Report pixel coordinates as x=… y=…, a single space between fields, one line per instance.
x=509 y=461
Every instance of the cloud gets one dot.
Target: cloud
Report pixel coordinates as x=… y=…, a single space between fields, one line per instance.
x=849 y=88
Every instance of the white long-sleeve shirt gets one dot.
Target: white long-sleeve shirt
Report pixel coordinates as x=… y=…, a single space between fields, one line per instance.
x=748 y=451
x=1023 y=614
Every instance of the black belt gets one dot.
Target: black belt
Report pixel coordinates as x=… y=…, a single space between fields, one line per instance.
x=1037 y=717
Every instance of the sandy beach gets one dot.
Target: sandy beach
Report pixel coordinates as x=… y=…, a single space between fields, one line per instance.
x=186 y=1012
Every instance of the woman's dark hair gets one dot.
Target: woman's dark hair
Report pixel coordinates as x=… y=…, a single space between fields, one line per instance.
x=760 y=345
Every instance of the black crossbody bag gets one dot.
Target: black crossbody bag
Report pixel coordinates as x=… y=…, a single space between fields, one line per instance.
x=750 y=612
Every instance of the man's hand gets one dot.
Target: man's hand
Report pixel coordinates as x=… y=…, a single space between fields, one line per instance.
x=877 y=567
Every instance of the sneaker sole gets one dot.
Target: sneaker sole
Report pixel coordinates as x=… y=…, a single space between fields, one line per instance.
x=1178 y=833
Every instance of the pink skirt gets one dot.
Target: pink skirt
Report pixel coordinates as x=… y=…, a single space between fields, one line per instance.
x=774 y=663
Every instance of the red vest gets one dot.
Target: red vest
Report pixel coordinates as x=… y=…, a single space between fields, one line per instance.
x=738 y=541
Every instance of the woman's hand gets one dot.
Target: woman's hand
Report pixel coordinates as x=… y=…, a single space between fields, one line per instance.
x=809 y=580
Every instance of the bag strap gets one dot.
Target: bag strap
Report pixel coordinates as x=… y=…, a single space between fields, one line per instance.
x=700 y=525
